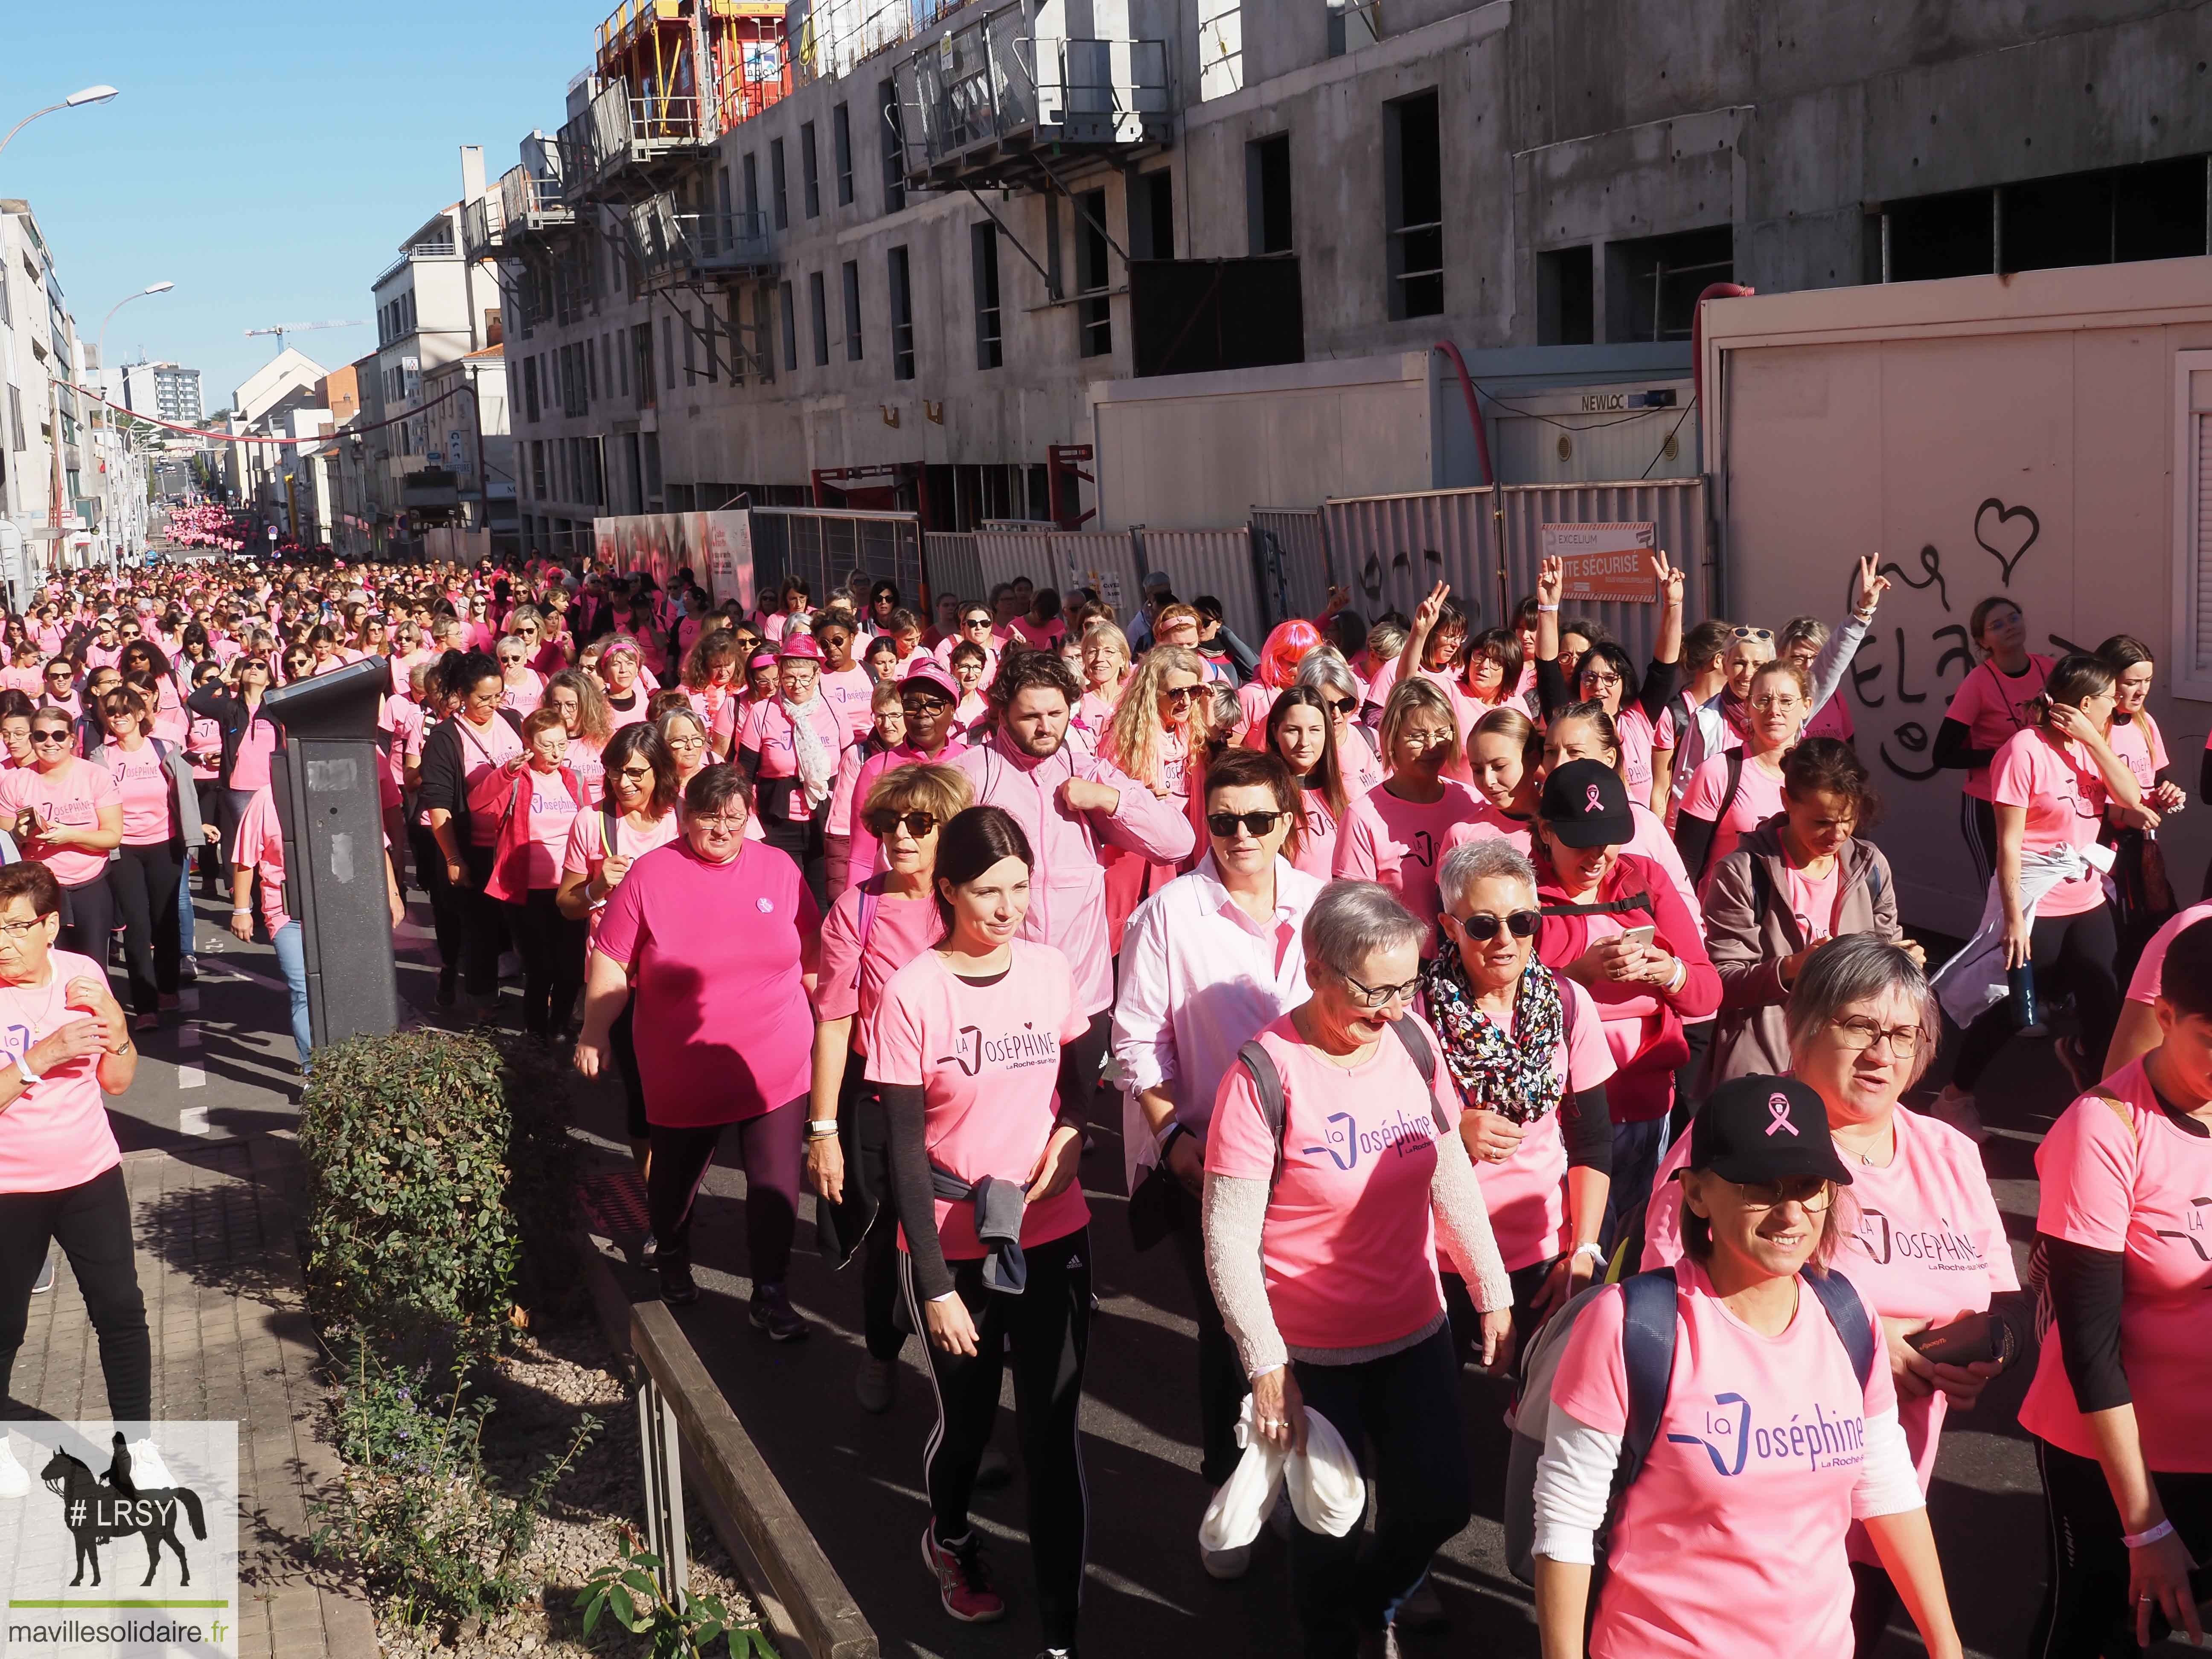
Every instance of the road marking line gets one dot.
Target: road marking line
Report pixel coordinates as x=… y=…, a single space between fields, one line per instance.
x=232 y=970
x=192 y=1121
x=192 y=1077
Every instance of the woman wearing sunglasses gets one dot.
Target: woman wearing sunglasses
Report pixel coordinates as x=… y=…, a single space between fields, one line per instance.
x=1343 y=695
x=976 y=628
x=2050 y=787
x=1527 y=1051
x=65 y=813
x=874 y=929
x=58 y=688
x=1322 y=1242
x=1157 y=737
x=521 y=688
x=161 y=827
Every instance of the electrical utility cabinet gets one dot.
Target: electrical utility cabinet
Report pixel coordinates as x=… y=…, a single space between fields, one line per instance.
x=325 y=782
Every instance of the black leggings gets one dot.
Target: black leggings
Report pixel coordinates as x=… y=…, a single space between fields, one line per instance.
x=552 y=951
x=879 y=1252
x=88 y=919
x=445 y=898
x=483 y=925
x=1978 y=828
x=92 y=1224
x=214 y=857
x=621 y=1037
x=1048 y=1327
x=769 y=1151
x=2073 y=953
x=144 y=881
x=2085 y=1613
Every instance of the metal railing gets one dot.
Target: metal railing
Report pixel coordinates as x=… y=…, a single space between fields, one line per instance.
x=524 y=196
x=1109 y=92
x=668 y=242
x=616 y=128
x=482 y=223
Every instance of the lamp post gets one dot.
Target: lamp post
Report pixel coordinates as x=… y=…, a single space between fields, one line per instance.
x=76 y=99
x=101 y=346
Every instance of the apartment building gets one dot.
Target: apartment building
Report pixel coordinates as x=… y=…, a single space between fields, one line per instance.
x=886 y=258
x=164 y=391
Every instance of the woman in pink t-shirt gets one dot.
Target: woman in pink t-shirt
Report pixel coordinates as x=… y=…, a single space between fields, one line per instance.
x=969 y=1048
x=1996 y=700
x=479 y=738
x=1298 y=729
x=1769 y=1445
x=2051 y=786
x=2137 y=1032
x=2140 y=875
x=1157 y=736
x=790 y=745
x=709 y=679
x=1395 y=832
x=1733 y=793
x=522 y=688
x=535 y=799
x=1323 y=1233
x=64 y=1049
x=618 y=668
x=2118 y=1408
x=1106 y=672
x=718 y=937
x=1287 y=646
x=64 y=812
x=1801 y=642
x=577 y=698
x=873 y=930
x=160 y=823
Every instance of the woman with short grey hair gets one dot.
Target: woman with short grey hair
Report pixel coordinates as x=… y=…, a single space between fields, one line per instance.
x=1332 y=1169
x=1527 y=1051
x=1324 y=672
x=1929 y=1254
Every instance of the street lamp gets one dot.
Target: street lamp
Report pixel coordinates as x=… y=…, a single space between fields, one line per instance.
x=100 y=348
x=76 y=99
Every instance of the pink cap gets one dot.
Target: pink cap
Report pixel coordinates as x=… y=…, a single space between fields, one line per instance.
x=927 y=671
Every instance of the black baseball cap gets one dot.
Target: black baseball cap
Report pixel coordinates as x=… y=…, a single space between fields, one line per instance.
x=1765 y=1129
x=1585 y=804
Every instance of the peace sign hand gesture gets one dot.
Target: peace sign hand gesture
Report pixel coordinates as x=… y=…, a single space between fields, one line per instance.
x=1871 y=584
x=1552 y=579
x=1426 y=614
x=1669 y=578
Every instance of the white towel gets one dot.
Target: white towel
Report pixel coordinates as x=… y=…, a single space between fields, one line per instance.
x=1328 y=1493
x=1973 y=982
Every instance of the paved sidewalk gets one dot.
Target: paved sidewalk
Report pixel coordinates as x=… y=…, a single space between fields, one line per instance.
x=220 y=1275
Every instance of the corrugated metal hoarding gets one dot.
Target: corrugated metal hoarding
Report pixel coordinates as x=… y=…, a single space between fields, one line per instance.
x=949 y=558
x=1068 y=559
x=1291 y=553
x=1390 y=550
x=823 y=547
x=1215 y=562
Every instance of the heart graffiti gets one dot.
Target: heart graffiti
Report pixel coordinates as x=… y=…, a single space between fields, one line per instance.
x=2005 y=515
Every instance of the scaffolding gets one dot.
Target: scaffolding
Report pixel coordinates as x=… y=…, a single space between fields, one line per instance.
x=654 y=50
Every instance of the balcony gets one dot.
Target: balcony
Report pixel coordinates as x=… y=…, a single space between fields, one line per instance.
x=993 y=102
x=622 y=147
x=532 y=205
x=672 y=246
x=483 y=222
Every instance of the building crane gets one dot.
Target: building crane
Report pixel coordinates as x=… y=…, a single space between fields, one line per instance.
x=281 y=329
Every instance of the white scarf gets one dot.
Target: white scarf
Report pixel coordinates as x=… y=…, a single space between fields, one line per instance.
x=818 y=767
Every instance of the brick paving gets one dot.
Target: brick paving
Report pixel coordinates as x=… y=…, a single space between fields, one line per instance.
x=220 y=1275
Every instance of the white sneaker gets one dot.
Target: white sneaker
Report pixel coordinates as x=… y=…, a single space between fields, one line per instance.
x=15 y=1480
x=147 y=1472
x=1226 y=1564
x=1956 y=1106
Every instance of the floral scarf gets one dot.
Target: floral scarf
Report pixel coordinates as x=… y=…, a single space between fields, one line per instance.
x=1512 y=1075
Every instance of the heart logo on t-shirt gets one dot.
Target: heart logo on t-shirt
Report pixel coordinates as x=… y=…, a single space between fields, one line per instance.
x=764 y=905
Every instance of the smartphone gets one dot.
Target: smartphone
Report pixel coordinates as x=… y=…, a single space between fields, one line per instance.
x=1640 y=936
x=1977 y=1337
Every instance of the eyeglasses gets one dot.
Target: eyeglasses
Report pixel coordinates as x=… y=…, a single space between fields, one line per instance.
x=1224 y=824
x=916 y=708
x=693 y=740
x=884 y=820
x=1602 y=681
x=1753 y=633
x=1181 y=693
x=732 y=823
x=1811 y=1194
x=51 y=736
x=1857 y=1032
x=15 y=932
x=1776 y=705
x=1382 y=996
x=1483 y=925
x=636 y=774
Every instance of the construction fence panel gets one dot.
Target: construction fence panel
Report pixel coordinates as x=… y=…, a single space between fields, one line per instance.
x=1068 y=559
x=825 y=547
x=948 y=559
x=1391 y=550
x=1674 y=507
x=1291 y=553
x=1215 y=562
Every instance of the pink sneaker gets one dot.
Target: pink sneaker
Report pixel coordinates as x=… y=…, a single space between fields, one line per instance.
x=961 y=1583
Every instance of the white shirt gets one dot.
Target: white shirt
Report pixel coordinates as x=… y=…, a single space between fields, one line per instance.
x=1200 y=979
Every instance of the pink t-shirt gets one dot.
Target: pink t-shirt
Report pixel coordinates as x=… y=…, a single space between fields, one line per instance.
x=260 y=842
x=142 y=782
x=73 y=795
x=56 y=1133
x=724 y=1031
x=1349 y=1245
x=1993 y=706
x=1039 y=637
x=2136 y=1188
x=630 y=716
x=851 y=693
x=767 y=729
x=1833 y=719
x=1317 y=851
x=987 y=1058
x=1814 y=899
x=552 y=814
x=2150 y=967
x=2138 y=742
x=484 y=749
x=1632 y=726
x=1398 y=843
x=2065 y=798
x=1745 y=1498
x=249 y=768
x=587 y=760
x=586 y=851
x=525 y=696
x=717 y=705
x=855 y=969
x=402 y=725
x=203 y=743
x=1758 y=797
x=1526 y=1194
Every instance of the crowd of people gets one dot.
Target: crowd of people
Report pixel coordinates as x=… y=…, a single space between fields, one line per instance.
x=1493 y=1015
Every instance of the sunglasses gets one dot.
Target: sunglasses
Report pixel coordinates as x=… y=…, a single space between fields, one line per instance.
x=47 y=736
x=1341 y=705
x=58 y=674
x=1483 y=926
x=883 y=821
x=915 y=707
x=1753 y=633
x=975 y=622
x=1180 y=694
x=1223 y=825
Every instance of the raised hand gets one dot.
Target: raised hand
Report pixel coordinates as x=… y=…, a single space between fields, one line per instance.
x=1669 y=576
x=1871 y=583
x=1426 y=614
x=1551 y=580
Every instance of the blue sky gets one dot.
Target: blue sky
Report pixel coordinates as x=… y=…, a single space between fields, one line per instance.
x=267 y=159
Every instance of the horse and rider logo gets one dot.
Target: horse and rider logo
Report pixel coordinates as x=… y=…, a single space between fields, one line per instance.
x=98 y=1510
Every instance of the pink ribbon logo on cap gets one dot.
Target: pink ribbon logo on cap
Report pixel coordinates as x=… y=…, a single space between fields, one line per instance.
x=1597 y=804
x=1778 y=1108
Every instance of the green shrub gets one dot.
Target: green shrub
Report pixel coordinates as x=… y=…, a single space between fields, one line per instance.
x=437 y=1162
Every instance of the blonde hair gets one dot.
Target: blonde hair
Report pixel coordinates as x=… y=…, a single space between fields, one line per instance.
x=1419 y=695
x=1133 y=738
x=943 y=791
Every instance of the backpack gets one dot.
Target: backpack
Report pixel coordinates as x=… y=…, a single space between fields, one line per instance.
x=1647 y=1353
x=1269 y=1082
x=1762 y=887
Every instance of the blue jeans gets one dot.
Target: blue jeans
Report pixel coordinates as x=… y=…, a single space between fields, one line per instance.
x=185 y=906
x=292 y=957
x=1637 y=1149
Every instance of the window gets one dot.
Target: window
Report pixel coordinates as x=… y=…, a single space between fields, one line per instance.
x=763 y=302
x=790 y=329
x=1413 y=201
x=529 y=388
x=1268 y=194
x=2153 y=210
x=668 y=349
x=1094 y=315
x=2192 y=520
x=815 y=293
x=691 y=354
x=15 y=438
x=840 y=144
x=707 y=342
x=621 y=358
x=983 y=251
x=538 y=468
x=902 y=317
x=591 y=370
x=810 y=170
x=776 y=183
x=1566 y=298
x=752 y=187
x=733 y=332
x=1652 y=282
x=641 y=340
x=894 y=137
x=1151 y=215
x=852 y=311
